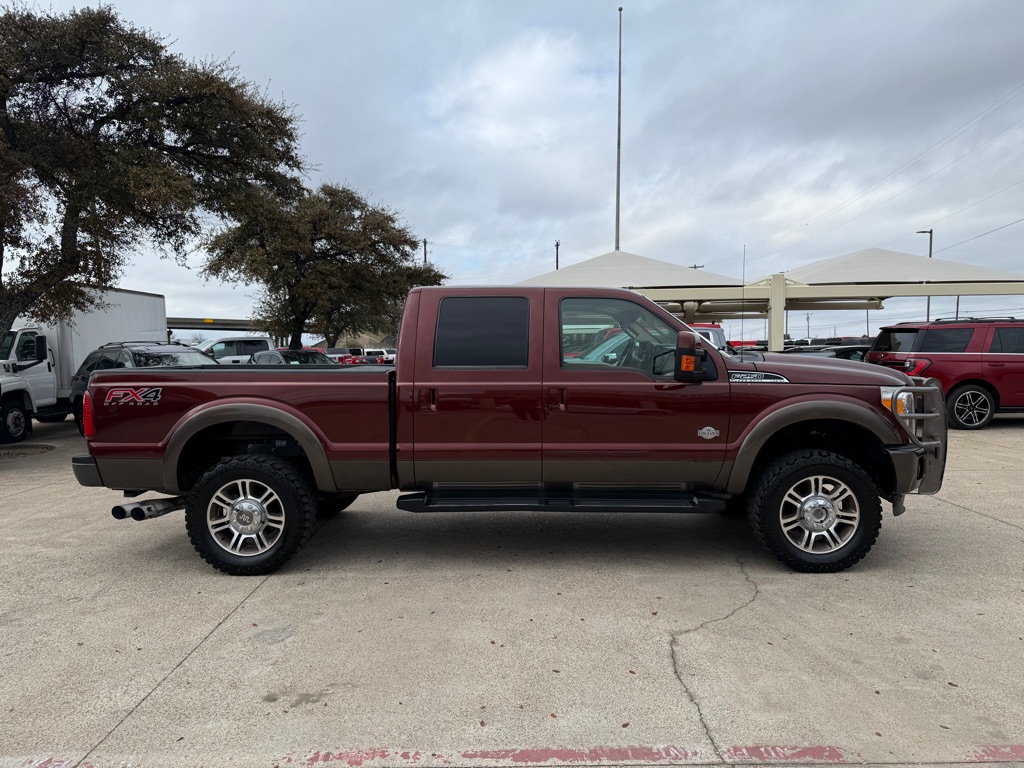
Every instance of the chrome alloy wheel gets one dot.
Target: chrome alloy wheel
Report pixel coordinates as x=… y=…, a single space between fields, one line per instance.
x=972 y=408
x=819 y=514
x=245 y=517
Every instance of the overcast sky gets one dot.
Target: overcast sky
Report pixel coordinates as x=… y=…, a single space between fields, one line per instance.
x=801 y=130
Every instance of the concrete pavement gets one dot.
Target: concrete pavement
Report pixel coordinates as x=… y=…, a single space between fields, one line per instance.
x=395 y=639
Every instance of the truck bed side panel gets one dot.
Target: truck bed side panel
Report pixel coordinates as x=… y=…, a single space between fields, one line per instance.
x=341 y=420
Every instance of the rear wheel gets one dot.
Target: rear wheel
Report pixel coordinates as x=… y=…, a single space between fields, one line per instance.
x=815 y=511
x=13 y=422
x=248 y=515
x=970 y=407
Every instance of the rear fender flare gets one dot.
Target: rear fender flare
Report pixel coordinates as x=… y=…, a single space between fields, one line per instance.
x=196 y=421
x=755 y=438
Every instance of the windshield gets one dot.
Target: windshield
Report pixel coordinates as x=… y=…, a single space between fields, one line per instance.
x=146 y=359
x=6 y=344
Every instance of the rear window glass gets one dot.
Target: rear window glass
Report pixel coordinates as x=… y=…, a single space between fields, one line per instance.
x=482 y=332
x=889 y=340
x=923 y=340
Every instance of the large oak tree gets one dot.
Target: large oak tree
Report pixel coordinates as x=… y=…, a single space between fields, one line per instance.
x=110 y=142
x=329 y=259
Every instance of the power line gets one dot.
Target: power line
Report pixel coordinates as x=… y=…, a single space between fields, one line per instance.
x=987 y=112
x=1018 y=221
x=902 y=192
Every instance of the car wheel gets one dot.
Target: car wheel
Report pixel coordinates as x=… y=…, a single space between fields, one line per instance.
x=970 y=407
x=248 y=515
x=79 y=421
x=13 y=422
x=335 y=503
x=815 y=511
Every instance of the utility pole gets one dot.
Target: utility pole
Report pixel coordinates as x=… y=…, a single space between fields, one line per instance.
x=809 y=326
x=424 y=251
x=557 y=243
x=929 y=232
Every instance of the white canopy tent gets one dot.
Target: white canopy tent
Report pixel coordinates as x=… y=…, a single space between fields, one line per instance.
x=860 y=280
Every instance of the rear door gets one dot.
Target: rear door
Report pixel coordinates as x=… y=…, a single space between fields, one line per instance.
x=1004 y=364
x=611 y=420
x=477 y=396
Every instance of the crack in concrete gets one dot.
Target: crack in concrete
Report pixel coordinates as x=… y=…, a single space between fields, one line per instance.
x=674 y=637
x=174 y=669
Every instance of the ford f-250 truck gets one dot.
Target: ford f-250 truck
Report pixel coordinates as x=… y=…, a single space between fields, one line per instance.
x=484 y=411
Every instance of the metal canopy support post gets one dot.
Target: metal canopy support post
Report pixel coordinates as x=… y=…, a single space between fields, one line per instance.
x=777 y=312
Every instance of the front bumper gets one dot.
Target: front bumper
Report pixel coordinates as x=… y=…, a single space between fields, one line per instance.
x=921 y=464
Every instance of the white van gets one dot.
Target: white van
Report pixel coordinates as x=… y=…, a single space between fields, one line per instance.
x=235 y=349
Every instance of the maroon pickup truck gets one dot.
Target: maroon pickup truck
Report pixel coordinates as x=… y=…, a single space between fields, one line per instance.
x=488 y=407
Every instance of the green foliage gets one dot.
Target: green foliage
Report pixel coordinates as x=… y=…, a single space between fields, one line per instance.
x=108 y=141
x=329 y=258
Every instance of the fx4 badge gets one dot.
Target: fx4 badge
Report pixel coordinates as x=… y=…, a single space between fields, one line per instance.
x=127 y=396
x=708 y=433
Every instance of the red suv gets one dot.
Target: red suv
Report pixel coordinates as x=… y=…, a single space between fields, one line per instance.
x=978 y=361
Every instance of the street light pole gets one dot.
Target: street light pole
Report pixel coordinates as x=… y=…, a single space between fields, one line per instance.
x=928 y=232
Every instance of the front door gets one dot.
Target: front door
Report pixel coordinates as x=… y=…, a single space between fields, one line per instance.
x=41 y=380
x=609 y=417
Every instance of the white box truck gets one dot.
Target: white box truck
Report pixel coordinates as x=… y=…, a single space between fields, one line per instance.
x=35 y=377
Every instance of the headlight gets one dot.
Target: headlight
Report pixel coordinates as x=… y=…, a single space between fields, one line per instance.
x=904 y=400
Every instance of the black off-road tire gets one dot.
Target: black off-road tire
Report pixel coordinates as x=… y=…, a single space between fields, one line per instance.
x=247 y=515
x=14 y=422
x=970 y=407
x=334 y=503
x=815 y=511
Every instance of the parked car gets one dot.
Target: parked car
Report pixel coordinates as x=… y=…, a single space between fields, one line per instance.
x=809 y=349
x=291 y=357
x=235 y=350
x=381 y=356
x=979 y=363
x=850 y=351
x=131 y=354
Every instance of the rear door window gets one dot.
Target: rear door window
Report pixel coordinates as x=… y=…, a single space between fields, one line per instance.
x=1008 y=341
x=482 y=332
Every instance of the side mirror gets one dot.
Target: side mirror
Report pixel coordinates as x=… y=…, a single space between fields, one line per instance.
x=40 y=350
x=689 y=354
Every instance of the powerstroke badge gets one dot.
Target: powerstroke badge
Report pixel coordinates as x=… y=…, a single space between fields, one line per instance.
x=708 y=433
x=752 y=377
x=129 y=396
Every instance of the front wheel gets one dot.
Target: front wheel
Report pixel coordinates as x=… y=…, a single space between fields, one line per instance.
x=815 y=511
x=970 y=407
x=13 y=422
x=248 y=515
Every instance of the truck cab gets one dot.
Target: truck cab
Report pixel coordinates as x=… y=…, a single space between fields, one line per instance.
x=27 y=382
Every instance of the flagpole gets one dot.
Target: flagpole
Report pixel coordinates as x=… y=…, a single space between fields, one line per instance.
x=618 y=138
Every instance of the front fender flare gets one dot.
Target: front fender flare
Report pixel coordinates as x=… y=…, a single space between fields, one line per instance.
x=835 y=410
x=195 y=421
